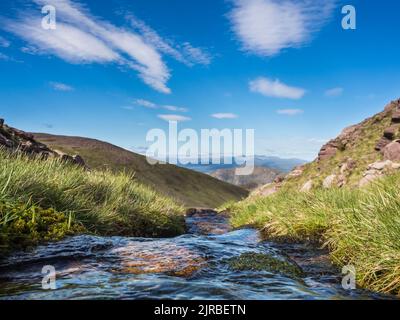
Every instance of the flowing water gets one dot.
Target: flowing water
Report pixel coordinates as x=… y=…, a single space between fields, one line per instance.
x=192 y=266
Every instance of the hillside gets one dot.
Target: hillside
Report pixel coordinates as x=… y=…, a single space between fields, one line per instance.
x=260 y=176
x=193 y=189
x=347 y=200
x=360 y=154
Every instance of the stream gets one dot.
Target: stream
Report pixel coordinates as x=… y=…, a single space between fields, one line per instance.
x=191 y=266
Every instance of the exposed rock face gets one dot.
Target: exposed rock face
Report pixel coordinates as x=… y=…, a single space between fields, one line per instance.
x=392 y=151
x=17 y=140
x=392 y=132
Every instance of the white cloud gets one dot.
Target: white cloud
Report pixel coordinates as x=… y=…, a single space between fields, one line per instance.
x=173 y=117
x=290 y=112
x=83 y=38
x=145 y=103
x=266 y=27
x=4 y=43
x=58 y=86
x=175 y=108
x=4 y=57
x=275 y=89
x=334 y=92
x=185 y=53
x=224 y=116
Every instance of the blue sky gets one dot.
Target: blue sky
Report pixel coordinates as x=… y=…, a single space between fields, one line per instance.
x=114 y=69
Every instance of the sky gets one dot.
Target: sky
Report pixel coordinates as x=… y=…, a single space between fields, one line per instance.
x=113 y=70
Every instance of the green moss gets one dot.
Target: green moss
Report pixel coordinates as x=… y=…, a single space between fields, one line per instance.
x=262 y=262
x=22 y=225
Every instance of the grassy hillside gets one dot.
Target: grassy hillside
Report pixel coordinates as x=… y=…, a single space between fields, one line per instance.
x=359 y=224
x=47 y=199
x=190 y=188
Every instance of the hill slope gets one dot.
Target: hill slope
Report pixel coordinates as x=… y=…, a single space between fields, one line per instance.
x=260 y=177
x=190 y=188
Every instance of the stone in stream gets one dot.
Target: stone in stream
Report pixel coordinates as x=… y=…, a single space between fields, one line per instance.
x=162 y=257
x=262 y=262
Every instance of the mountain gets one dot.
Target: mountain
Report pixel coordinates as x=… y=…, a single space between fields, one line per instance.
x=193 y=189
x=360 y=154
x=260 y=176
x=282 y=165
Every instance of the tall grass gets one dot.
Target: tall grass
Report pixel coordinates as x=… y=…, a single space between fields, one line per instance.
x=105 y=203
x=360 y=227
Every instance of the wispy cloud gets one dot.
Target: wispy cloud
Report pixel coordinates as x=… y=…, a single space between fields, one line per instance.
x=145 y=103
x=290 y=112
x=185 y=52
x=224 y=116
x=58 y=86
x=174 y=108
x=173 y=117
x=4 y=57
x=266 y=27
x=4 y=43
x=334 y=92
x=82 y=38
x=152 y=105
x=275 y=89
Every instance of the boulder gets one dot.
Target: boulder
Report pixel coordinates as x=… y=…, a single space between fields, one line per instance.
x=5 y=142
x=1 y=122
x=391 y=132
x=329 y=181
x=368 y=178
x=396 y=116
x=382 y=143
x=307 y=186
x=347 y=166
x=392 y=151
x=78 y=160
x=328 y=151
x=381 y=165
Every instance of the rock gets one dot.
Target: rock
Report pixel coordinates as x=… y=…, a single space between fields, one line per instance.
x=328 y=151
x=329 y=181
x=78 y=160
x=396 y=116
x=307 y=186
x=392 y=151
x=368 y=178
x=391 y=132
x=297 y=172
x=5 y=142
x=349 y=165
x=380 y=165
x=262 y=262
x=395 y=165
x=382 y=143
x=341 y=181
x=1 y=122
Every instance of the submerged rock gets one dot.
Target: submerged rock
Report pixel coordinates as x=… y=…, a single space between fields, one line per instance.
x=263 y=262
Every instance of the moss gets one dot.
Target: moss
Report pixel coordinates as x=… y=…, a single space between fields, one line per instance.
x=23 y=226
x=262 y=262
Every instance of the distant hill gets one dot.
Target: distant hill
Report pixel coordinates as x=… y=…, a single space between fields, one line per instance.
x=282 y=165
x=260 y=177
x=193 y=189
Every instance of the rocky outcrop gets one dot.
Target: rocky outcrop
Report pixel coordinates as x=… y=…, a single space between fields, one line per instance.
x=377 y=170
x=392 y=132
x=19 y=141
x=392 y=151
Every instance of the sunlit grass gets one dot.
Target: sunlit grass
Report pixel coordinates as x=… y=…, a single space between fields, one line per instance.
x=360 y=227
x=103 y=202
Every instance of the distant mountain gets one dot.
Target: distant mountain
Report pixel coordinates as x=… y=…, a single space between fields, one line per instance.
x=193 y=189
x=282 y=165
x=260 y=177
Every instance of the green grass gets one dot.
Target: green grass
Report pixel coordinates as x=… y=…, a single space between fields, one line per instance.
x=361 y=227
x=189 y=188
x=102 y=202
